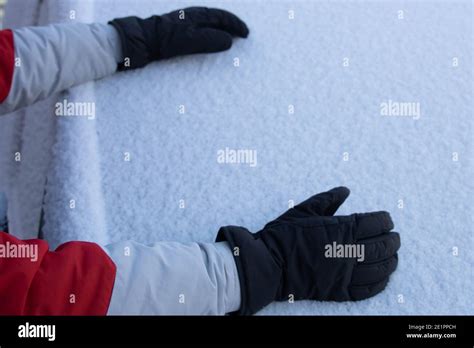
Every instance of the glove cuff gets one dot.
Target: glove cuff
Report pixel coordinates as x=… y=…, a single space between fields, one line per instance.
x=135 y=50
x=259 y=273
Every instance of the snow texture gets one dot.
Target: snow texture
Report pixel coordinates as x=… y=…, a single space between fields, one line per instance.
x=335 y=63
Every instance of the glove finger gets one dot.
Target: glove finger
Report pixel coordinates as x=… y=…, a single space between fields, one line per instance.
x=380 y=247
x=363 y=292
x=212 y=18
x=372 y=224
x=229 y=22
x=207 y=40
x=364 y=274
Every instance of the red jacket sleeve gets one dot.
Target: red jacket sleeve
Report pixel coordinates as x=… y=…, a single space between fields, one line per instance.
x=75 y=279
x=7 y=62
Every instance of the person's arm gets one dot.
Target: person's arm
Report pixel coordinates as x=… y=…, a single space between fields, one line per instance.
x=125 y=278
x=75 y=279
x=171 y=278
x=36 y=62
x=291 y=258
x=306 y=253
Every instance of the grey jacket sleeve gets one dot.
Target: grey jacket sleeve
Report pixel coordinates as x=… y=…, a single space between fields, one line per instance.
x=170 y=278
x=53 y=58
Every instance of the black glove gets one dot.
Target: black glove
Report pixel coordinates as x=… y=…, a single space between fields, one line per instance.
x=299 y=254
x=181 y=32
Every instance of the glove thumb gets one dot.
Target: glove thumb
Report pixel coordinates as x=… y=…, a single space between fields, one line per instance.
x=322 y=204
x=325 y=203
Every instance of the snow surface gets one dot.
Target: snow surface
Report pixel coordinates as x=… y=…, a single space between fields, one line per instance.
x=284 y=62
